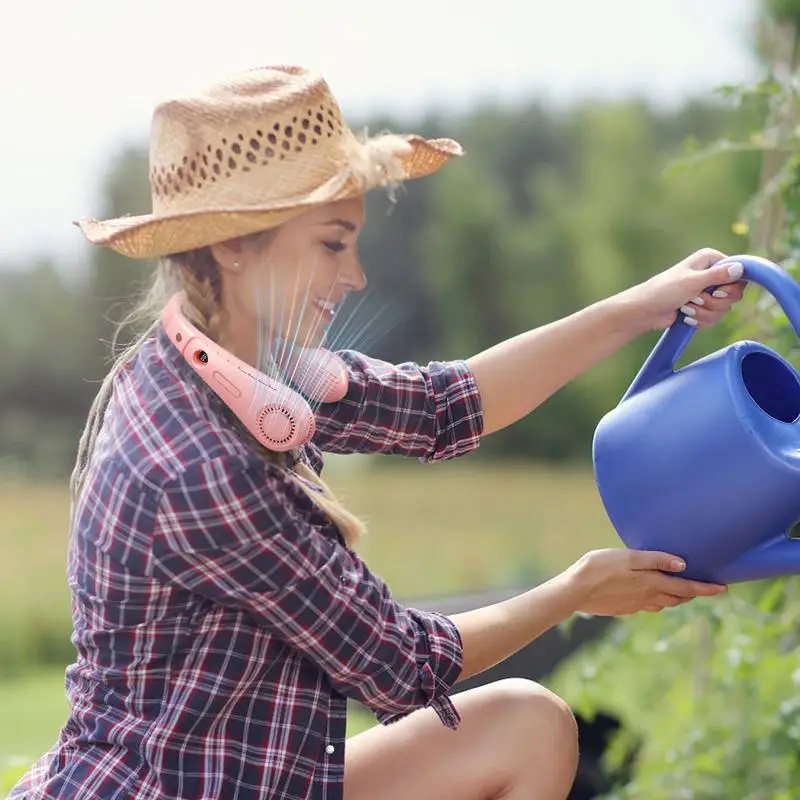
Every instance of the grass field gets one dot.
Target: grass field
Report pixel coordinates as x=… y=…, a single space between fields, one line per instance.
x=433 y=530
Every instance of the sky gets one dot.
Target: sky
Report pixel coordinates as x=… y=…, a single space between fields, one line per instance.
x=79 y=79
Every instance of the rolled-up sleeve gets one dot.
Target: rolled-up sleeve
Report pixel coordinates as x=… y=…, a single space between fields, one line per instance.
x=431 y=412
x=228 y=530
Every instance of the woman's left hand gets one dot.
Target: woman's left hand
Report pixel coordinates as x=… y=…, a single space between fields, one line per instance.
x=655 y=303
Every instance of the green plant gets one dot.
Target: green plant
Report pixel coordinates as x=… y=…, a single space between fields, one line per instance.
x=713 y=688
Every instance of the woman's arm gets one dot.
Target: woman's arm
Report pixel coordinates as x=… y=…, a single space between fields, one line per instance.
x=519 y=374
x=430 y=412
x=441 y=411
x=231 y=530
x=494 y=633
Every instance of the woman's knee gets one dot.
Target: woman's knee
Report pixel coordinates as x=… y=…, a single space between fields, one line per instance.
x=540 y=716
x=515 y=734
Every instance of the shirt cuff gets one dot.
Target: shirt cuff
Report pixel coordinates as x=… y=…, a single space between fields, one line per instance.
x=459 y=410
x=441 y=659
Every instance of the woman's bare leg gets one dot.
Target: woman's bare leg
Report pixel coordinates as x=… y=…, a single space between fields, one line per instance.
x=517 y=740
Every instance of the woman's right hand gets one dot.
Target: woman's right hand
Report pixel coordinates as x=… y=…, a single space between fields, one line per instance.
x=623 y=581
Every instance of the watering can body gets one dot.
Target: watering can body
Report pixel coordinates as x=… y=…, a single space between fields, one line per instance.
x=703 y=462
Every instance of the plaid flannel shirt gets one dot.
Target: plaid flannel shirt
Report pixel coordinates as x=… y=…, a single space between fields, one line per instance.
x=219 y=621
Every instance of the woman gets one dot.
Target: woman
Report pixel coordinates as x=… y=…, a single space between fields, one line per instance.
x=221 y=616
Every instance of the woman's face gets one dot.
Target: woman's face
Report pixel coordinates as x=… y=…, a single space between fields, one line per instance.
x=288 y=285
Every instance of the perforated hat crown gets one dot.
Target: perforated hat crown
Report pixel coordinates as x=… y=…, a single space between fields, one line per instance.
x=252 y=152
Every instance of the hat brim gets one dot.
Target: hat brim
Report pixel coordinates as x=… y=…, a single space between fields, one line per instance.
x=151 y=236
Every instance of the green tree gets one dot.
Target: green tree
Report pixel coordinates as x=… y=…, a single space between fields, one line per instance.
x=116 y=281
x=46 y=336
x=521 y=235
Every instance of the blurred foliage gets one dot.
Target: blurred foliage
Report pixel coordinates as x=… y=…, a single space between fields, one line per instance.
x=712 y=689
x=784 y=11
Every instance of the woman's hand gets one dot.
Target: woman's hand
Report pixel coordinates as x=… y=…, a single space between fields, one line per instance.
x=603 y=582
x=654 y=304
x=618 y=582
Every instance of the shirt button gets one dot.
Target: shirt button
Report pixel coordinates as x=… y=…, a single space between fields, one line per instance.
x=329 y=749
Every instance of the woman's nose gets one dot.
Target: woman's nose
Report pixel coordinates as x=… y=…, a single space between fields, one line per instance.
x=353 y=277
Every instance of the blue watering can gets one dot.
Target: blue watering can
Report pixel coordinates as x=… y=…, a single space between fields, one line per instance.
x=704 y=461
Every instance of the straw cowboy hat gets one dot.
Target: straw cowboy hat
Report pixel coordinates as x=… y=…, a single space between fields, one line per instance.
x=249 y=154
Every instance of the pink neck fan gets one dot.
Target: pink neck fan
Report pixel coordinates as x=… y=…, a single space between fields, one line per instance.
x=280 y=418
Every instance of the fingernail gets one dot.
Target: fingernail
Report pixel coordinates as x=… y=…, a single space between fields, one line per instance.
x=698 y=301
x=690 y=321
x=736 y=270
x=688 y=310
x=677 y=564
x=721 y=293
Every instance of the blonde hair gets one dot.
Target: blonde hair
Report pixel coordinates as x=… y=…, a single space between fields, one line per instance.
x=197 y=274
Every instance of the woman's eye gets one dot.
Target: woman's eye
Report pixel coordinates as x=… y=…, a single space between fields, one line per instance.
x=335 y=247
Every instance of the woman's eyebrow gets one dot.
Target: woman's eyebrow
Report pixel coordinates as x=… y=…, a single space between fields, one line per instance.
x=349 y=226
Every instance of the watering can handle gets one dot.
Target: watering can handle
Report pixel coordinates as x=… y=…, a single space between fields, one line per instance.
x=661 y=361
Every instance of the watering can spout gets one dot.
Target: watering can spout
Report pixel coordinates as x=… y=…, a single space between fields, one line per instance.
x=776 y=558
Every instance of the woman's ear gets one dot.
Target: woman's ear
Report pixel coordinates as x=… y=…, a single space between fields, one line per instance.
x=229 y=255
x=233 y=255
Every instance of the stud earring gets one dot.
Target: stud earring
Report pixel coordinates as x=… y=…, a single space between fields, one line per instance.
x=236 y=265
